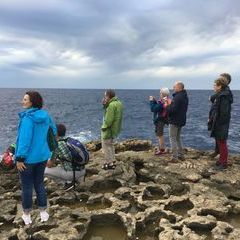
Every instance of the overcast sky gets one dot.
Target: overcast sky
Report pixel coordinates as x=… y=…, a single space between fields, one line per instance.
x=118 y=44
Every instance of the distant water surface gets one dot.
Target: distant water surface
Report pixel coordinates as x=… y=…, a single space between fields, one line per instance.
x=81 y=111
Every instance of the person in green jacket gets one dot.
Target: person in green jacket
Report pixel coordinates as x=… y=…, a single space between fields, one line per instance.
x=111 y=127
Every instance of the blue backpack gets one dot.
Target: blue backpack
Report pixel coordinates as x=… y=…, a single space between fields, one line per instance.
x=79 y=153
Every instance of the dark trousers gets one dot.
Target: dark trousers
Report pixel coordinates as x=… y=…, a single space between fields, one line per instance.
x=216 y=147
x=223 y=150
x=33 y=176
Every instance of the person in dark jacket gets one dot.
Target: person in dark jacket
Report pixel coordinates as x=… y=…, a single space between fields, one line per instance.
x=219 y=119
x=160 y=117
x=228 y=79
x=177 y=111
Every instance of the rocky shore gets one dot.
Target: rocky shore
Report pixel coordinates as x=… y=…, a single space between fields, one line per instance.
x=144 y=198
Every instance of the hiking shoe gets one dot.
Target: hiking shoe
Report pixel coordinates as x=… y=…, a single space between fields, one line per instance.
x=26 y=218
x=217 y=163
x=230 y=163
x=182 y=158
x=173 y=160
x=109 y=166
x=220 y=167
x=105 y=166
x=44 y=216
x=213 y=155
x=68 y=186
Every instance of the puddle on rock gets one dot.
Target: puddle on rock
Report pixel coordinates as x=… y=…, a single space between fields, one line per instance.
x=109 y=186
x=179 y=189
x=89 y=207
x=153 y=193
x=180 y=208
x=106 y=232
x=150 y=230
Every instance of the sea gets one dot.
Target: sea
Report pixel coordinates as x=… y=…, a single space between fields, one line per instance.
x=82 y=113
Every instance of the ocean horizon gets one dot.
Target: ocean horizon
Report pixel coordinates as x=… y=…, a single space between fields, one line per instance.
x=81 y=111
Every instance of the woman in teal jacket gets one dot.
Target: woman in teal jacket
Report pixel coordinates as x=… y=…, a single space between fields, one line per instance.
x=32 y=153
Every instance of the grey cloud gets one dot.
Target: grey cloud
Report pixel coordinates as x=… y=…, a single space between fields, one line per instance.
x=120 y=34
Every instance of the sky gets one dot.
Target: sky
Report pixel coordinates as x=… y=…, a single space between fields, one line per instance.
x=126 y=44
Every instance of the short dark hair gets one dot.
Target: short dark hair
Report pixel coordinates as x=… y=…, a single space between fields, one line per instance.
x=227 y=76
x=110 y=93
x=181 y=84
x=61 y=130
x=35 y=98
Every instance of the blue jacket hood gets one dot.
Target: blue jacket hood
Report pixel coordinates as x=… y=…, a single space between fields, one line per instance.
x=31 y=144
x=36 y=114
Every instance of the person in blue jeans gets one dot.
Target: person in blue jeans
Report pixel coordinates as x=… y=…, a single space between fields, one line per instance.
x=32 y=153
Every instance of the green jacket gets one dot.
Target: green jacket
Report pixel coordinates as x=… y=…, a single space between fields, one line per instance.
x=112 y=121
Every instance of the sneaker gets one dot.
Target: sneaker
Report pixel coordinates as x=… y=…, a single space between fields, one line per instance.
x=44 y=216
x=26 y=218
x=160 y=152
x=68 y=186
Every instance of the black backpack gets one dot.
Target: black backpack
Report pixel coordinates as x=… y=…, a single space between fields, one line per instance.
x=51 y=140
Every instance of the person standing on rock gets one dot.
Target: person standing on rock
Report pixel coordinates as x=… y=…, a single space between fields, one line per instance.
x=160 y=117
x=177 y=111
x=219 y=119
x=228 y=79
x=111 y=127
x=32 y=153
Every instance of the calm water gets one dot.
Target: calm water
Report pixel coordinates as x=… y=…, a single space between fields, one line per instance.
x=81 y=112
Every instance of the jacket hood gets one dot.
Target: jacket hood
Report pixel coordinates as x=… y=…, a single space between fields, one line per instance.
x=36 y=114
x=183 y=92
x=112 y=100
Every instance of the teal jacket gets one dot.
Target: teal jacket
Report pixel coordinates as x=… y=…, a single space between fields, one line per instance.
x=112 y=121
x=31 y=144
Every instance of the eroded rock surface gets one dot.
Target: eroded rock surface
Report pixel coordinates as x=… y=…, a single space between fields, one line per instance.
x=145 y=197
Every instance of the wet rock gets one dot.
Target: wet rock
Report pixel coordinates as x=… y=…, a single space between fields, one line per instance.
x=145 y=197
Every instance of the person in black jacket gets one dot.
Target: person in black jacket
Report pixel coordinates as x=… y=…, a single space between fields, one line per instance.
x=228 y=79
x=177 y=110
x=219 y=119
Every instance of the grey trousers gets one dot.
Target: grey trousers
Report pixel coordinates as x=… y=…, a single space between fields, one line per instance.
x=175 y=140
x=62 y=175
x=108 y=150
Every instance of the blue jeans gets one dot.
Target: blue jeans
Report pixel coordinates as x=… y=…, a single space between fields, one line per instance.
x=33 y=176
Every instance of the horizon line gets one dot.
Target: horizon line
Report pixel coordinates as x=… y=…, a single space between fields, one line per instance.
x=192 y=89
